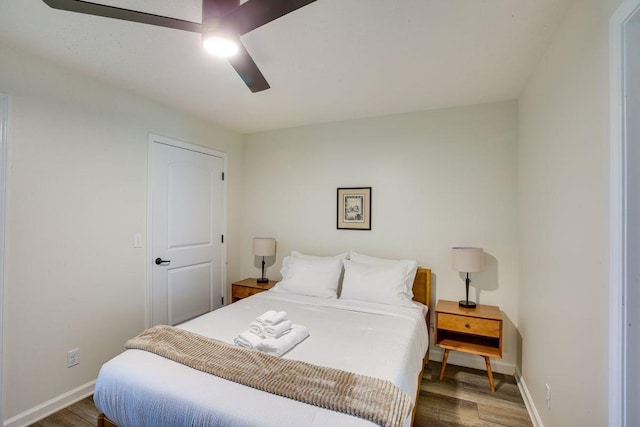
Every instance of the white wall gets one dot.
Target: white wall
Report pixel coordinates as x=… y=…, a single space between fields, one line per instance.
x=440 y=178
x=563 y=196
x=77 y=194
x=632 y=297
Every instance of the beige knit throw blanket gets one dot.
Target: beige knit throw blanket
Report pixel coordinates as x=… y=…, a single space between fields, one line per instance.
x=373 y=399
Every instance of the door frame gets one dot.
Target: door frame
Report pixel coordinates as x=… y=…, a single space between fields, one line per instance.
x=158 y=139
x=618 y=215
x=4 y=132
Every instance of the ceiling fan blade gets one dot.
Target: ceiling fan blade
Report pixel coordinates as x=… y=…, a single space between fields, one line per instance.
x=248 y=70
x=123 y=14
x=217 y=8
x=255 y=13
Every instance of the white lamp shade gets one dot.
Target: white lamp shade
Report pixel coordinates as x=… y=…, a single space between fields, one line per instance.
x=264 y=246
x=467 y=260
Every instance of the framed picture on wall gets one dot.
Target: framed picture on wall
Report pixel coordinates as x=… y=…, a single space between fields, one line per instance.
x=354 y=208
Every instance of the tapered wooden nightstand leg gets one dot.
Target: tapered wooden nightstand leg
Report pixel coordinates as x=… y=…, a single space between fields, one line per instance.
x=488 y=362
x=444 y=363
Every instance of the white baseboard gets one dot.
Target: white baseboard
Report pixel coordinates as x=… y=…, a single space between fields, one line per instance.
x=528 y=401
x=471 y=361
x=54 y=405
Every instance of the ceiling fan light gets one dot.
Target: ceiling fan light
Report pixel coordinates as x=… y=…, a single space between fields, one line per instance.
x=219 y=45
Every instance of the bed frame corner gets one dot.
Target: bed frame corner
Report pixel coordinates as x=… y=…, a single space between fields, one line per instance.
x=104 y=421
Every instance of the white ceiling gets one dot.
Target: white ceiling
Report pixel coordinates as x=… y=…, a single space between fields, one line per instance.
x=331 y=60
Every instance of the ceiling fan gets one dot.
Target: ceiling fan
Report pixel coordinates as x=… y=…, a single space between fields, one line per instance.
x=223 y=22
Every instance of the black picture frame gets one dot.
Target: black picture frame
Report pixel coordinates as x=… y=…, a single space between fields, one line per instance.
x=354 y=208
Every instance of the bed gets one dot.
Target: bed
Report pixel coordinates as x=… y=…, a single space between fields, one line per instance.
x=139 y=388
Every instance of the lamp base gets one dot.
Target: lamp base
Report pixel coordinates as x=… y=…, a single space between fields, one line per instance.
x=467 y=304
x=262 y=280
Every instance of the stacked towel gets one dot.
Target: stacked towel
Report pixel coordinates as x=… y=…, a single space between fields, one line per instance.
x=272 y=324
x=277 y=329
x=256 y=328
x=279 y=346
x=271 y=317
x=272 y=333
x=247 y=340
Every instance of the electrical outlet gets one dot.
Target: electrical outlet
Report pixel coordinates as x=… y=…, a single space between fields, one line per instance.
x=73 y=357
x=547 y=389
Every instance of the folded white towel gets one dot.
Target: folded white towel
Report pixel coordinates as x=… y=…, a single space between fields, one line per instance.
x=271 y=317
x=277 y=329
x=247 y=340
x=279 y=346
x=256 y=328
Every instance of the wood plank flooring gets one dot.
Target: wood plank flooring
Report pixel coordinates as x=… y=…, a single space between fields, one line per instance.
x=461 y=399
x=80 y=414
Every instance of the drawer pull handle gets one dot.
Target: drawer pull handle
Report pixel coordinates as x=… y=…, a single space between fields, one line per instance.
x=466 y=325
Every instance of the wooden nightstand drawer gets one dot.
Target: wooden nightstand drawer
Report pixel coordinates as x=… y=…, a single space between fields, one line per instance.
x=469 y=325
x=243 y=292
x=247 y=287
x=471 y=330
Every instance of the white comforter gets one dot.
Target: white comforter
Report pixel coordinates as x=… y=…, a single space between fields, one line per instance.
x=138 y=388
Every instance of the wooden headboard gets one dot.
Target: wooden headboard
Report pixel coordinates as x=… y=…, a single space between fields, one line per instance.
x=422 y=286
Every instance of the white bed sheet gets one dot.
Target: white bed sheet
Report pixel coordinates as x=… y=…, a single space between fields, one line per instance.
x=138 y=388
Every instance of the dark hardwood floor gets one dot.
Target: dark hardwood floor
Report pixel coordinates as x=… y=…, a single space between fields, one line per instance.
x=461 y=399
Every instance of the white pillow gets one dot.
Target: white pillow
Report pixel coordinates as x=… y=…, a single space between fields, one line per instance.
x=313 y=277
x=382 y=283
x=410 y=267
x=296 y=254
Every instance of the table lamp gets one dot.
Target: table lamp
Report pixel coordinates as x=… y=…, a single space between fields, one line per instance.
x=264 y=246
x=467 y=260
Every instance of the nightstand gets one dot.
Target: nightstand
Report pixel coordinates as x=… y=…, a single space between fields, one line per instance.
x=247 y=287
x=471 y=330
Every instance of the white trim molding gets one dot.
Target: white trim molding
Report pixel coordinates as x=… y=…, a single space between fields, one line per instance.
x=528 y=401
x=51 y=406
x=618 y=179
x=4 y=132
